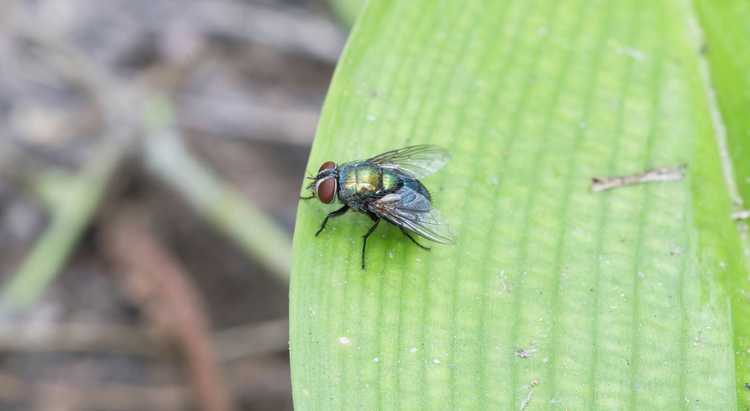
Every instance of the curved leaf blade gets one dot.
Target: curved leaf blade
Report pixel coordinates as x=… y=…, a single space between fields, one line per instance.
x=553 y=297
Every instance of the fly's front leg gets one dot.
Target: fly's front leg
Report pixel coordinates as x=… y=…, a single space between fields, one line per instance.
x=406 y=233
x=332 y=214
x=376 y=219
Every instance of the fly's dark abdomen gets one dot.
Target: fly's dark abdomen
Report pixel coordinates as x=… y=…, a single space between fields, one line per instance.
x=417 y=186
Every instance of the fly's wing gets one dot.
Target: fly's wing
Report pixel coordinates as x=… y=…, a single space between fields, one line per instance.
x=418 y=161
x=413 y=211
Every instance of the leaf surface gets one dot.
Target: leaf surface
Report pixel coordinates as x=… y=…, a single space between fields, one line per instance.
x=554 y=297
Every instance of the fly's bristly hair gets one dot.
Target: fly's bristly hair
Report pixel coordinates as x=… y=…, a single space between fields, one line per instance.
x=327 y=173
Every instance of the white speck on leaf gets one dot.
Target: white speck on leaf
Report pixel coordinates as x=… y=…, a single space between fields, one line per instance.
x=435 y=361
x=530 y=387
x=376 y=360
x=504 y=285
x=344 y=340
x=413 y=349
x=633 y=53
x=525 y=352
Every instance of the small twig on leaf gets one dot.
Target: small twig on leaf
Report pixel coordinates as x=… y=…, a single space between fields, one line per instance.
x=524 y=352
x=527 y=400
x=660 y=174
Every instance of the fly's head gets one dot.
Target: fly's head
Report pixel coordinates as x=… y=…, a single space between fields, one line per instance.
x=325 y=183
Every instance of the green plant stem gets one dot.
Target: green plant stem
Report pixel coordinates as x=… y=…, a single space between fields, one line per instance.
x=72 y=201
x=218 y=203
x=347 y=10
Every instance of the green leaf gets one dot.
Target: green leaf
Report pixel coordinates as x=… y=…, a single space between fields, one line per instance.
x=554 y=297
x=727 y=31
x=347 y=10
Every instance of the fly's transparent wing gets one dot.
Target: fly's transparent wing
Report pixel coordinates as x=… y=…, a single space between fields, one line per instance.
x=413 y=211
x=418 y=161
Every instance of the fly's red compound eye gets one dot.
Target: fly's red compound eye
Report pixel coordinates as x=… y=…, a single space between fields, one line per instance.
x=326 y=189
x=328 y=165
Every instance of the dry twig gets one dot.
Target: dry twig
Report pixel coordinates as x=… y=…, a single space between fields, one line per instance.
x=105 y=397
x=293 y=125
x=650 y=176
x=244 y=341
x=234 y=344
x=74 y=337
x=530 y=387
x=281 y=27
x=158 y=282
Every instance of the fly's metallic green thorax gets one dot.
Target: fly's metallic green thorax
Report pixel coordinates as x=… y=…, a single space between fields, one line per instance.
x=386 y=187
x=361 y=180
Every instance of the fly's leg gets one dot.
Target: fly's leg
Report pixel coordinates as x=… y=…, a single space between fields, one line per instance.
x=376 y=219
x=332 y=214
x=406 y=233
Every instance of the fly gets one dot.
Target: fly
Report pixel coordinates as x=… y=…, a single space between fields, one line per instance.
x=386 y=187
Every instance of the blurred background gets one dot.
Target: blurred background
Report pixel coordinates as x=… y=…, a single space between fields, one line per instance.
x=151 y=154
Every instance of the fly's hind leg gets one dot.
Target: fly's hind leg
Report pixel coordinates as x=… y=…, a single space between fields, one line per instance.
x=406 y=233
x=376 y=219
x=332 y=214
